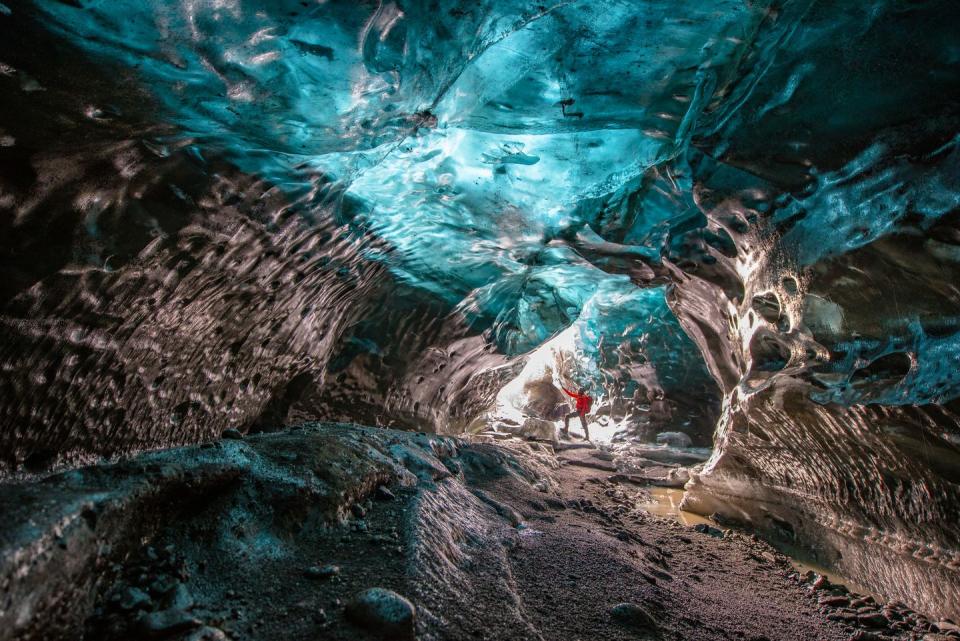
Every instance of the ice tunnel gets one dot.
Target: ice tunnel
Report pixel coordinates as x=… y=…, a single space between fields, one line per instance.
x=734 y=224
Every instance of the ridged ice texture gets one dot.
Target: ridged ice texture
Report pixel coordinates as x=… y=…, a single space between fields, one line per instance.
x=236 y=213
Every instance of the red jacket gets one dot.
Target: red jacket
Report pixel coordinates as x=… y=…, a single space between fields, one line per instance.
x=584 y=402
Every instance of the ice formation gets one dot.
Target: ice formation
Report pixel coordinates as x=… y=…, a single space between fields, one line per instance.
x=242 y=214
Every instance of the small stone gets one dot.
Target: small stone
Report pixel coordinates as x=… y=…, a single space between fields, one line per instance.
x=383 y=612
x=232 y=433
x=134 y=599
x=834 y=601
x=166 y=622
x=206 y=633
x=180 y=598
x=872 y=620
x=163 y=585
x=322 y=572
x=632 y=615
x=383 y=493
x=703 y=528
x=844 y=617
x=555 y=503
x=674 y=439
x=821 y=583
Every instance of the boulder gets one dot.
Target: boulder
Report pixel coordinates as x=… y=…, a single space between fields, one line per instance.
x=539 y=428
x=383 y=612
x=674 y=439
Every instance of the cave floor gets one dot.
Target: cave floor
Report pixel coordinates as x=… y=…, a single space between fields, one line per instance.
x=487 y=540
x=576 y=563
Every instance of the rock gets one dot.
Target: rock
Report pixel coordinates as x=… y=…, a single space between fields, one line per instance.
x=539 y=428
x=834 y=601
x=633 y=616
x=703 y=528
x=231 y=433
x=134 y=598
x=676 y=478
x=674 y=439
x=502 y=509
x=383 y=493
x=163 y=585
x=383 y=612
x=555 y=503
x=821 y=583
x=357 y=510
x=872 y=620
x=946 y=626
x=164 y=623
x=844 y=617
x=322 y=572
x=206 y=633
x=179 y=598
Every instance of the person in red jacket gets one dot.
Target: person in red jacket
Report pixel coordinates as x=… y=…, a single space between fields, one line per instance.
x=584 y=403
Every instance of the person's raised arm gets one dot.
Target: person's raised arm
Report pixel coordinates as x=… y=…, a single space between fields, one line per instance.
x=569 y=393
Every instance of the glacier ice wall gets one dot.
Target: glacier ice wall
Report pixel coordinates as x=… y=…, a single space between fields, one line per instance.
x=229 y=213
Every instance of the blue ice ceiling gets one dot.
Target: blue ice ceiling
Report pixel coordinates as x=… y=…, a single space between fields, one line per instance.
x=385 y=200
x=470 y=138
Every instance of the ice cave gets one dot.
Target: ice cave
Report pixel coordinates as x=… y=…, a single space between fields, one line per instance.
x=447 y=320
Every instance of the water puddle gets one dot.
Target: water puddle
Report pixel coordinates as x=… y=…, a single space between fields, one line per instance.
x=665 y=502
